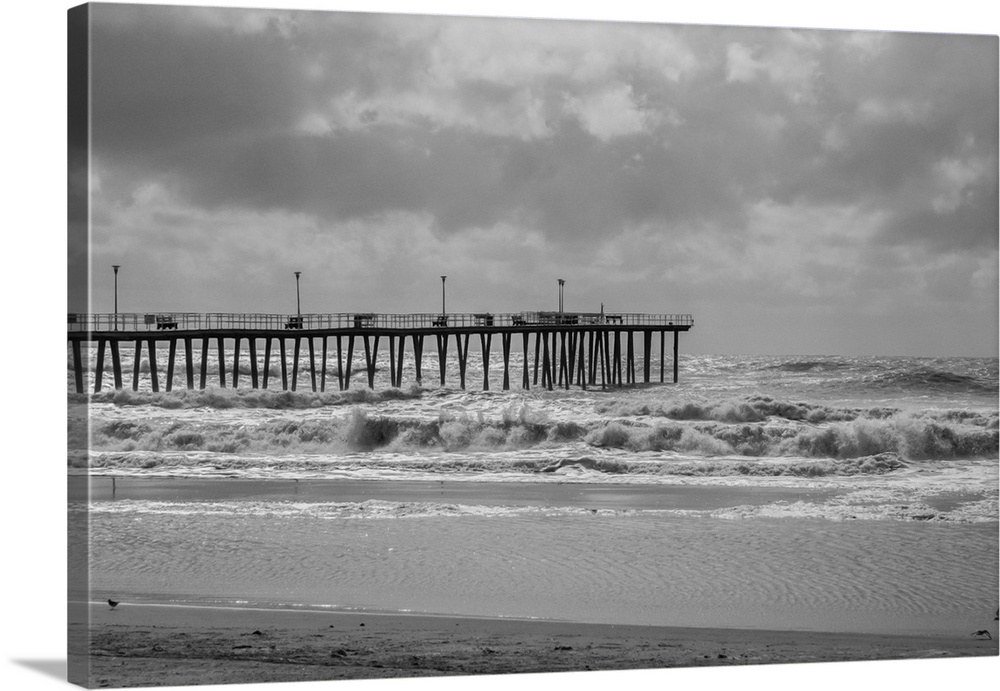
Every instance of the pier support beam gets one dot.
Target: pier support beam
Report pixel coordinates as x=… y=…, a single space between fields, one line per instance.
x=564 y=370
x=616 y=375
x=135 y=366
x=170 y=364
x=77 y=366
x=630 y=358
x=116 y=364
x=505 y=342
x=647 y=343
x=418 y=353
x=267 y=361
x=485 y=340
x=399 y=362
x=284 y=364
x=606 y=359
x=322 y=369
x=350 y=360
x=151 y=345
x=546 y=365
x=392 y=361
x=575 y=343
x=312 y=364
x=340 y=366
x=663 y=335
x=463 y=354
x=676 y=336
x=204 y=363
x=371 y=353
x=592 y=360
x=188 y=364
x=222 y=363
x=254 y=374
x=236 y=361
x=442 y=344
x=296 y=347
x=554 y=361
x=99 y=368
x=524 y=360
x=538 y=338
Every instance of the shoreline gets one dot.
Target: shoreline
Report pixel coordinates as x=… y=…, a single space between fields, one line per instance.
x=561 y=492
x=142 y=645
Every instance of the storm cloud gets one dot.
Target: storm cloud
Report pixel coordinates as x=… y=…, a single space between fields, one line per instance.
x=796 y=190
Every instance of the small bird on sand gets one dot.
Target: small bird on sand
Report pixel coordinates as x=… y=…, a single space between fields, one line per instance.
x=983 y=632
x=113 y=603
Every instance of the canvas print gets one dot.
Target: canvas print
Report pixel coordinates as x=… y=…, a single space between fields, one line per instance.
x=414 y=345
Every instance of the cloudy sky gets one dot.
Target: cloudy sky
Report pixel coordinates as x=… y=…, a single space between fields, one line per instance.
x=797 y=191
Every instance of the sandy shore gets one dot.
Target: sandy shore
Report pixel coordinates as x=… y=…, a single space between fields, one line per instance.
x=189 y=645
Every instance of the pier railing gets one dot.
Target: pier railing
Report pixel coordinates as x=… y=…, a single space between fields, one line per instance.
x=190 y=321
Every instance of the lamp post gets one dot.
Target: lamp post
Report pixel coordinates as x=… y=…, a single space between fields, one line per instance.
x=116 y=267
x=562 y=282
x=298 y=302
x=443 y=310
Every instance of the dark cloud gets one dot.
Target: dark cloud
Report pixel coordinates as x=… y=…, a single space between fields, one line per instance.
x=770 y=161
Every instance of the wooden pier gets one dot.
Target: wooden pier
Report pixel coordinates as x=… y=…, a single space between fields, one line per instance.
x=569 y=349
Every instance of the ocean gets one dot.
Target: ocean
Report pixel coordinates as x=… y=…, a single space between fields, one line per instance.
x=850 y=494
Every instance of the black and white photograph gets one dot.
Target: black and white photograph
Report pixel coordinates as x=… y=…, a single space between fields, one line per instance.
x=414 y=344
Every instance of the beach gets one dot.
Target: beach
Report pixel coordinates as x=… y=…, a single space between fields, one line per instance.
x=188 y=645
x=764 y=511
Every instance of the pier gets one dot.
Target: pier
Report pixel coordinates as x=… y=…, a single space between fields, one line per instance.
x=584 y=349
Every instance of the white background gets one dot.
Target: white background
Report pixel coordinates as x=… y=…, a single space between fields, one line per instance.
x=33 y=453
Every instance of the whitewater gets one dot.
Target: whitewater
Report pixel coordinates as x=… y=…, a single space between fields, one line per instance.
x=822 y=493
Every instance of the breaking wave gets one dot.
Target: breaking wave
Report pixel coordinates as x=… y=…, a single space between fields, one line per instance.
x=481 y=466
x=750 y=409
x=808 y=366
x=706 y=430
x=222 y=399
x=910 y=437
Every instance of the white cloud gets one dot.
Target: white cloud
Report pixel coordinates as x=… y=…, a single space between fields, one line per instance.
x=789 y=62
x=952 y=179
x=612 y=113
x=501 y=77
x=741 y=66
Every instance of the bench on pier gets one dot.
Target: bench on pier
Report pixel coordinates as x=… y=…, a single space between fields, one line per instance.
x=613 y=318
x=165 y=321
x=294 y=323
x=441 y=321
x=363 y=320
x=518 y=321
x=484 y=319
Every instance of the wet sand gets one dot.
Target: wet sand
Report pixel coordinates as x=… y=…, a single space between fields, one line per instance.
x=153 y=645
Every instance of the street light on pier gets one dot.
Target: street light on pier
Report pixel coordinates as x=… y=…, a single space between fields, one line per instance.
x=298 y=302
x=562 y=282
x=116 y=267
x=443 y=310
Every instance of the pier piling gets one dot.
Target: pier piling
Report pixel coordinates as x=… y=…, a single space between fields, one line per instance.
x=569 y=349
x=170 y=364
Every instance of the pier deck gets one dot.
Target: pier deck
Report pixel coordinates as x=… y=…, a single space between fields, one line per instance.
x=570 y=348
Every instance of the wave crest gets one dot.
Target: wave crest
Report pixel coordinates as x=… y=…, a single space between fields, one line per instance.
x=852 y=434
